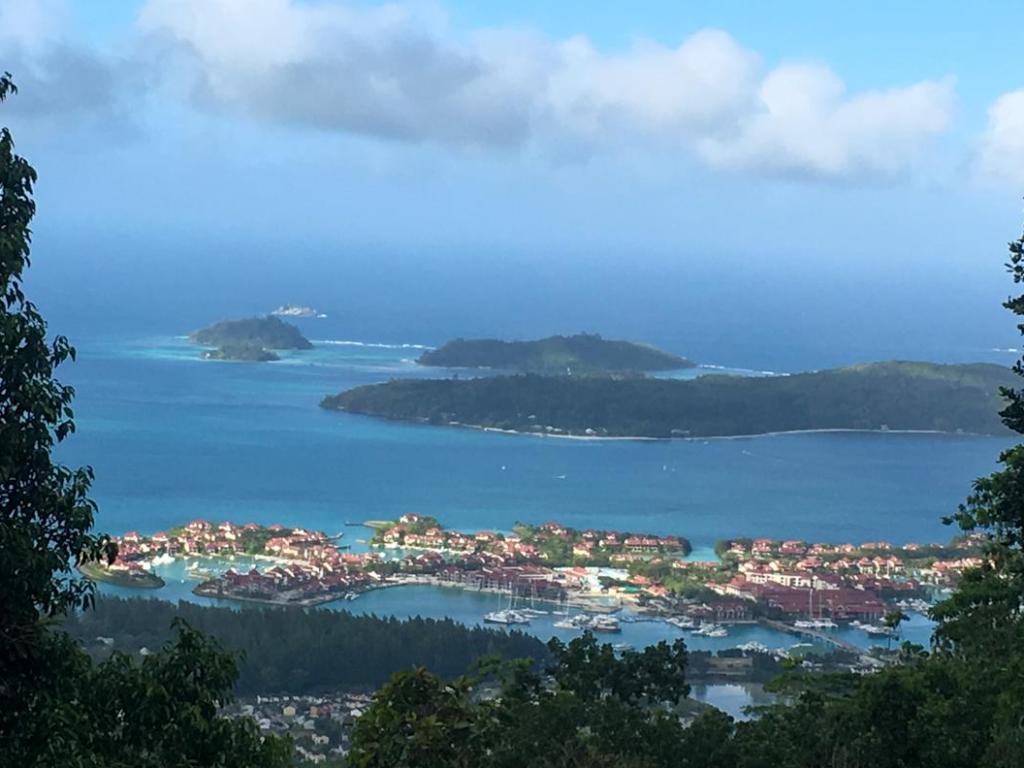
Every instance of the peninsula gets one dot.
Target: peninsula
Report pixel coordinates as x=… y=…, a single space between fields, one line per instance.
x=249 y=340
x=582 y=353
x=906 y=396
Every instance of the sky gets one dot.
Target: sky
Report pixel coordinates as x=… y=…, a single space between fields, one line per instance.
x=817 y=142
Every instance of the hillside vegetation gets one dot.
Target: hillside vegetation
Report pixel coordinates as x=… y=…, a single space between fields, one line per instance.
x=890 y=395
x=299 y=652
x=557 y=355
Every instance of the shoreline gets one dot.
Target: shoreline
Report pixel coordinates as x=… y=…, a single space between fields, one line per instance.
x=648 y=438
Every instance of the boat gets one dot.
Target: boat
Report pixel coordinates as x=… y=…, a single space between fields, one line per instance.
x=565 y=624
x=877 y=630
x=682 y=622
x=753 y=647
x=621 y=647
x=605 y=624
x=507 y=616
x=711 y=630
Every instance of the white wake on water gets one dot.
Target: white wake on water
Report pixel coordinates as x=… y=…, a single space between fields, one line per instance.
x=373 y=344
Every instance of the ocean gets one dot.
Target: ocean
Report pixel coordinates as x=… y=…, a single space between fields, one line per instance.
x=172 y=437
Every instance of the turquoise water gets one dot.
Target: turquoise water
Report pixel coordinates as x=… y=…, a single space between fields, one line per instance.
x=172 y=438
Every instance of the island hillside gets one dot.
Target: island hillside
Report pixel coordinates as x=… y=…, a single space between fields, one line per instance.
x=581 y=353
x=251 y=353
x=876 y=396
x=249 y=340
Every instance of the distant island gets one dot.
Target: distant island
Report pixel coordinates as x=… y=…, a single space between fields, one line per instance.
x=876 y=396
x=296 y=310
x=250 y=340
x=249 y=353
x=582 y=353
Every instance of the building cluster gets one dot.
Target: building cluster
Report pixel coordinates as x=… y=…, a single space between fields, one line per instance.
x=523 y=581
x=301 y=583
x=530 y=543
x=319 y=726
x=842 y=582
x=414 y=531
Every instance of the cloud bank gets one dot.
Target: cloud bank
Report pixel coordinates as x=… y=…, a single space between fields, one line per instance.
x=398 y=72
x=1001 y=153
x=393 y=72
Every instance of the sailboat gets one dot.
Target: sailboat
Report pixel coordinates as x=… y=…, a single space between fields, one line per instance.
x=508 y=615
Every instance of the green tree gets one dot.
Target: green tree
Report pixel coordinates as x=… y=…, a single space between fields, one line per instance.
x=56 y=706
x=590 y=707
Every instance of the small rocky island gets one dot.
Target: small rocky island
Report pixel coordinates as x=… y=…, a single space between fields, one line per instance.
x=555 y=355
x=890 y=396
x=250 y=340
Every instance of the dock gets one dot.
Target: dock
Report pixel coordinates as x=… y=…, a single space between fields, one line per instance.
x=824 y=637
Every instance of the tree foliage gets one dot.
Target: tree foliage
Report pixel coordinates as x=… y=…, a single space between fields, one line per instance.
x=897 y=395
x=293 y=651
x=56 y=706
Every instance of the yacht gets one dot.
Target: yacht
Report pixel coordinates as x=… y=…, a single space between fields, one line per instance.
x=754 y=647
x=605 y=624
x=681 y=622
x=507 y=616
x=878 y=630
x=712 y=630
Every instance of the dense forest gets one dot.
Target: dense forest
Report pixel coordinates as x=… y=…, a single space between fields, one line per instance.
x=299 y=652
x=555 y=355
x=247 y=337
x=892 y=395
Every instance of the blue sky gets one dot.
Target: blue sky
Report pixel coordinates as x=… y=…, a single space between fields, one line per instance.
x=821 y=137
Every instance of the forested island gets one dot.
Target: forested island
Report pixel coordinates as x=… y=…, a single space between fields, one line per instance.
x=874 y=396
x=582 y=353
x=250 y=340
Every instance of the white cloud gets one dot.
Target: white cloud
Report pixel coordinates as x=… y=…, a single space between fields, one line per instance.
x=55 y=76
x=399 y=72
x=804 y=123
x=1001 y=154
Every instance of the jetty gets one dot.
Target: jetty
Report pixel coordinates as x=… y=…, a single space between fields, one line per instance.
x=823 y=637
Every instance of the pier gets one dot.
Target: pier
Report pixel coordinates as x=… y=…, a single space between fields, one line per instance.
x=824 y=637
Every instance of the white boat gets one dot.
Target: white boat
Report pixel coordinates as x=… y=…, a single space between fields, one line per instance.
x=507 y=616
x=681 y=622
x=605 y=624
x=711 y=630
x=163 y=559
x=753 y=647
x=565 y=624
x=878 y=630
